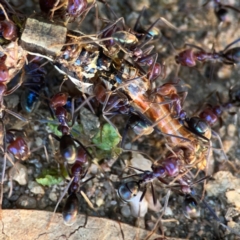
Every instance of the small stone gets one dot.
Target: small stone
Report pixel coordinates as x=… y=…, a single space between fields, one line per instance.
x=19 y=173
x=89 y=122
x=126 y=211
x=35 y=188
x=39 y=141
x=223 y=180
x=99 y=202
x=140 y=162
x=231 y=130
x=233 y=197
x=228 y=144
x=27 y=202
x=42 y=203
x=114 y=203
x=168 y=212
x=53 y=196
x=138 y=209
x=139 y=5
x=231 y=213
x=12 y=100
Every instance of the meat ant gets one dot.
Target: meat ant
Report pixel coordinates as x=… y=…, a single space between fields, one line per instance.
x=220 y=9
x=77 y=173
x=189 y=57
x=74 y=8
x=67 y=145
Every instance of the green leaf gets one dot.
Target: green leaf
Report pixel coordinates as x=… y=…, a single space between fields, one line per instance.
x=50 y=177
x=107 y=138
x=54 y=129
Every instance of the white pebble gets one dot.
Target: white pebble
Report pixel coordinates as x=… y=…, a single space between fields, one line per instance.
x=231 y=130
x=125 y=211
x=138 y=209
x=99 y=202
x=19 y=173
x=35 y=188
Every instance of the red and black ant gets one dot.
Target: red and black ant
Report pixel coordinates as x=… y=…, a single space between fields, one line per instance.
x=78 y=171
x=189 y=57
x=220 y=9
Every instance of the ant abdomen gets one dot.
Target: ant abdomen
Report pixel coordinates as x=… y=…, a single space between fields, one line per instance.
x=68 y=149
x=70 y=210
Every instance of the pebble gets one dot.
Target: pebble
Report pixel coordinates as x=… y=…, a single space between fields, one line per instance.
x=228 y=144
x=27 y=202
x=35 y=188
x=99 y=202
x=223 y=180
x=231 y=130
x=12 y=100
x=233 y=197
x=126 y=211
x=138 y=209
x=19 y=173
x=89 y=122
x=139 y=5
x=139 y=161
x=39 y=141
x=53 y=196
x=168 y=212
x=42 y=203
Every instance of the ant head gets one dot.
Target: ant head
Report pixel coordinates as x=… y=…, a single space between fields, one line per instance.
x=199 y=127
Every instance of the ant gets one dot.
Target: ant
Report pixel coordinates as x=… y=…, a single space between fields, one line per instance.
x=77 y=173
x=74 y=8
x=227 y=56
x=220 y=9
x=170 y=167
x=67 y=146
x=128 y=42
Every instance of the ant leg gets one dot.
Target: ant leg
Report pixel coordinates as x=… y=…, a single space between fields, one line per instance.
x=215 y=134
x=153 y=194
x=4 y=12
x=16 y=115
x=84 y=103
x=45 y=151
x=17 y=85
x=121 y=19
x=135 y=28
x=86 y=12
x=144 y=193
x=56 y=7
x=229 y=45
x=194 y=46
x=59 y=200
